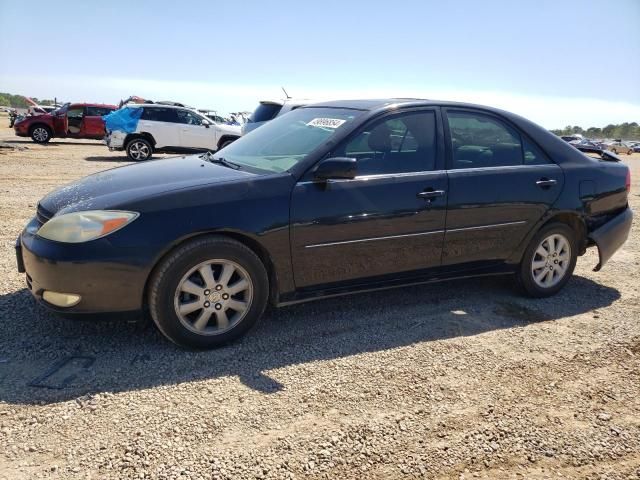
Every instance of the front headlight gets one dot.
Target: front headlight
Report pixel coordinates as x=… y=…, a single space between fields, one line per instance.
x=81 y=227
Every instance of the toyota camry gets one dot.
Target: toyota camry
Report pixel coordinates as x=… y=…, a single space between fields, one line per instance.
x=328 y=199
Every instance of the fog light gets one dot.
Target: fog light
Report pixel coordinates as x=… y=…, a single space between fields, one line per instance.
x=61 y=299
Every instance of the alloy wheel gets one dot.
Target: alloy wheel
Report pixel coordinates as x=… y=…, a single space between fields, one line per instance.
x=139 y=150
x=213 y=297
x=551 y=260
x=40 y=134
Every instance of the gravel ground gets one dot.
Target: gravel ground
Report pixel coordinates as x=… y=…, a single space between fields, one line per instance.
x=464 y=379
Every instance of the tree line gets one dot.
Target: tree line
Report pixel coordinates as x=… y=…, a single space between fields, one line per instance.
x=624 y=131
x=18 y=101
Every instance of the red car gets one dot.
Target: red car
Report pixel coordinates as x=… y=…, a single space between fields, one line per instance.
x=72 y=120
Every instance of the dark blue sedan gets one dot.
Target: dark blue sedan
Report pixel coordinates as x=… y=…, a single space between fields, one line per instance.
x=326 y=200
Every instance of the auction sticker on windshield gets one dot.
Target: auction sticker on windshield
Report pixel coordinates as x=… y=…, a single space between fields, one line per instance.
x=326 y=122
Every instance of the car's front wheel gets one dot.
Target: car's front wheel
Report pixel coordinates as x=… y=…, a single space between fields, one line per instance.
x=208 y=292
x=139 y=149
x=40 y=134
x=549 y=260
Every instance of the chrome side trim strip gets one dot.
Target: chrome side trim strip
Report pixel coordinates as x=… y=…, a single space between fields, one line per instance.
x=482 y=227
x=373 y=239
x=365 y=178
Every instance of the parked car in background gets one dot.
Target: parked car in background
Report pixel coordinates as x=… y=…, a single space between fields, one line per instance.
x=149 y=128
x=619 y=146
x=572 y=138
x=269 y=109
x=73 y=120
x=329 y=199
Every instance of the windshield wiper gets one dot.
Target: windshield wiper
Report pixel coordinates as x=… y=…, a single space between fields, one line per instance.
x=220 y=160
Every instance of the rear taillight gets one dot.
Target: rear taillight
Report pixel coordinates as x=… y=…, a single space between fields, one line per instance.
x=628 y=181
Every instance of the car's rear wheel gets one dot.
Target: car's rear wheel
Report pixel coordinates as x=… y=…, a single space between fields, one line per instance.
x=139 y=149
x=208 y=292
x=549 y=260
x=40 y=134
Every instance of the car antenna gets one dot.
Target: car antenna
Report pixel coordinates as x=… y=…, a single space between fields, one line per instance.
x=285 y=93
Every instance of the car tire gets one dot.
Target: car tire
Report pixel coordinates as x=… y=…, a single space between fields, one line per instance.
x=208 y=292
x=226 y=142
x=139 y=149
x=558 y=241
x=41 y=134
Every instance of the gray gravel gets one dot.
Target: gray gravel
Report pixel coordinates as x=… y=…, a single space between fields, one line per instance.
x=464 y=379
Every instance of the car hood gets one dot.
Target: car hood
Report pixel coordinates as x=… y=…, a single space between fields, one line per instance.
x=42 y=117
x=114 y=188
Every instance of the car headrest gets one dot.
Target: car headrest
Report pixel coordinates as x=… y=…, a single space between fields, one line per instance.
x=380 y=138
x=506 y=154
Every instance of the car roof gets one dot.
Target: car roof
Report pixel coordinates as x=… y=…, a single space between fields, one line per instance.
x=155 y=105
x=92 y=105
x=382 y=103
x=374 y=106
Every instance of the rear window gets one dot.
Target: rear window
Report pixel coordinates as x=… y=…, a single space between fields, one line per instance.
x=265 y=112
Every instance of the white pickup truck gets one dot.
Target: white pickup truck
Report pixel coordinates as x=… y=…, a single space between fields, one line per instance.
x=142 y=129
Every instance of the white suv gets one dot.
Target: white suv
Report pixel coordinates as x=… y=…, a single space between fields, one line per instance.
x=142 y=129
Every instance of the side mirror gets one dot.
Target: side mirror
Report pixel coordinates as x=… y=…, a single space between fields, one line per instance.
x=336 y=168
x=206 y=123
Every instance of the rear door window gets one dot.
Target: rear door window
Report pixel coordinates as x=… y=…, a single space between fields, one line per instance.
x=265 y=112
x=479 y=141
x=159 y=114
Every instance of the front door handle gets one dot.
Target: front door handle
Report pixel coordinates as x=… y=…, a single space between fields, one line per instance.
x=430 y=194
x=546 y=182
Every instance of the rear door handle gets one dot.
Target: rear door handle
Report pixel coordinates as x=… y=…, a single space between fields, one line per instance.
x=430 y=194
x=546 y=182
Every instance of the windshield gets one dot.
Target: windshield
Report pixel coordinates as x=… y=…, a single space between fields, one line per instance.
x=285 y=141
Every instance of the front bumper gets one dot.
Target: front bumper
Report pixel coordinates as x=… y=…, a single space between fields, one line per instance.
x=21 y=130
x=611 y=236
x=107 y=279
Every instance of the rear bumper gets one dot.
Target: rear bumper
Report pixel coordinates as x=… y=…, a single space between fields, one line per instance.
x=611 y=236
x=115 y=140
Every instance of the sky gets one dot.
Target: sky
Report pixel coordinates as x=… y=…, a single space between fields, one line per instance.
x=556 y=62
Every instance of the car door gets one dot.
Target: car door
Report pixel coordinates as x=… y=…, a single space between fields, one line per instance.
x=194 y=133
x=93 y=125
x=60 y=121
x=500 y=184
x=162 y=124
x=389 y=219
